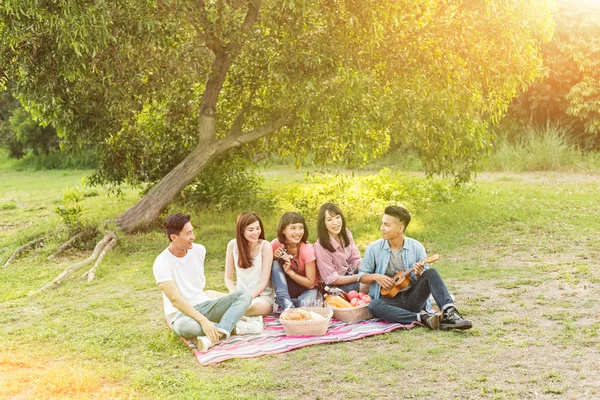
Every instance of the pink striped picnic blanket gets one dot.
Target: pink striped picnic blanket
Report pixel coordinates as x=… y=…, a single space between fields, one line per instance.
x=273 y=340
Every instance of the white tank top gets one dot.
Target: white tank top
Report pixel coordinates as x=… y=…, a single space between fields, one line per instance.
x=247 y=279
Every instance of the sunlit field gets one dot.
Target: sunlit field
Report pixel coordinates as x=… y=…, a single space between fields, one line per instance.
x=480 y=117
x=526 y=278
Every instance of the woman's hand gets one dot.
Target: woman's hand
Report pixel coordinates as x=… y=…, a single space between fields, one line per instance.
x=287 y=266
x=277 y=253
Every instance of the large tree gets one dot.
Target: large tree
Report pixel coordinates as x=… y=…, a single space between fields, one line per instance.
x=163 y=87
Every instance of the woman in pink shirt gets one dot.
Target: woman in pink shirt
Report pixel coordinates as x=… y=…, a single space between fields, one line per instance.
x=294 y=272
x=338 y=258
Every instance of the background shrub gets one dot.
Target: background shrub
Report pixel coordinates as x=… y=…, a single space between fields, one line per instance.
x=364 y=197
x=230 y=183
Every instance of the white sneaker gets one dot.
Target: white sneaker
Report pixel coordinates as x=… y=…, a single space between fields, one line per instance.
x=204 y=343
x=251 y=326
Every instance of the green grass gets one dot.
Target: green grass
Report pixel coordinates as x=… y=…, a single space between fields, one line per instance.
x=519 y=255
x=546 y=148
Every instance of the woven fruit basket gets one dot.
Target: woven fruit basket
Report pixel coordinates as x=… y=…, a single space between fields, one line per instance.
x=310 y=327
x=353 y=314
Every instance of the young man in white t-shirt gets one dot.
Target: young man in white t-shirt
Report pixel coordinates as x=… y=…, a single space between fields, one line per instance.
x=179 y=272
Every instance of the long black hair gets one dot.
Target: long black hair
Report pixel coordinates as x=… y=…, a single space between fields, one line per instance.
x=323 y=233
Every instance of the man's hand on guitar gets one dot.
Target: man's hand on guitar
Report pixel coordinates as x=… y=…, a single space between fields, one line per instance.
x=419 y=266
x=384 y=281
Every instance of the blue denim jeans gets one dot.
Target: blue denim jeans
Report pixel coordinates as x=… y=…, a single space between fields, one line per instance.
x=282 y=294
x=224 y=313
x=406 y=305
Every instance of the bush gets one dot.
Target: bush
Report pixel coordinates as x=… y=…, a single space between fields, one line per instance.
x=20 y=133
x=230 y=183
x=363 y=198
x=85 y=159
x=71 y=209
x=532 y=148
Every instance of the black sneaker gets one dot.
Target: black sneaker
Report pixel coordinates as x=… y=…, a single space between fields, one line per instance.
x=451 y=319
x=432 y=321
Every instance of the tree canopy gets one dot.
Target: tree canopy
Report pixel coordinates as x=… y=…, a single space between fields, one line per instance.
x=570 y=93
x=19 y=133
x=164 y=87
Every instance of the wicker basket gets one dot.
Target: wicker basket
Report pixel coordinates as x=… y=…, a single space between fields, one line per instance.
x=353 y=314
x=308 y=328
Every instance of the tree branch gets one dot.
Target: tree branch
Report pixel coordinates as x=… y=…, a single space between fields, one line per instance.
x=26 y=246
x=236 y=126
x=251 y=15
x=107 y=239
x=91 y=273
x=246 y=137
x=249 y=21
x=212 y=41
x=223 y=58
x=84 y=233
x=215 y=84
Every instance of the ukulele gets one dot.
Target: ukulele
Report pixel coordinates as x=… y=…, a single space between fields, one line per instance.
x=402 y=280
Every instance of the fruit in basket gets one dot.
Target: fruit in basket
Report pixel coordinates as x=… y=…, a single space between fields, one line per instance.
x=354 y=301
x=352 y=295
x=364 y=297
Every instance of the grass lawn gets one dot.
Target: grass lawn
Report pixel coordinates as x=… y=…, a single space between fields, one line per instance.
x=520 y=254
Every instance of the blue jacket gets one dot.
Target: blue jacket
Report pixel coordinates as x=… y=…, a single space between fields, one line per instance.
x=377 y=258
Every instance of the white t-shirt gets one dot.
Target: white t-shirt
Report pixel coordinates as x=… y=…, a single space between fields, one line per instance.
x=186 y=272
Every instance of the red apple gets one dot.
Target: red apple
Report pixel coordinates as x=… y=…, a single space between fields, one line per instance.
x=352 y=294
x=366 y=298
x=354 y=301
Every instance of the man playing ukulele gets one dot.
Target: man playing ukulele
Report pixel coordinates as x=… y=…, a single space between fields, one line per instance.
x=395 y=253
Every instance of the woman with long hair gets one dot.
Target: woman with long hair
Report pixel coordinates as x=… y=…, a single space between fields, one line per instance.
x=250 y=257
x=338 y=258
x=294 y=272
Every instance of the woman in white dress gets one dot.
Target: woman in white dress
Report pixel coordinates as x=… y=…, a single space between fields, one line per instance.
x=251 y=257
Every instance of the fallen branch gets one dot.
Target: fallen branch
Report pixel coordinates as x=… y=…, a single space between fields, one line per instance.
x=69 y=243
x=99 y=249
x=25 y=247
x=91 y=273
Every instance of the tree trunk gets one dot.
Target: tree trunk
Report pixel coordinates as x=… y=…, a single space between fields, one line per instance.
x=145 y=211
x=149 y=207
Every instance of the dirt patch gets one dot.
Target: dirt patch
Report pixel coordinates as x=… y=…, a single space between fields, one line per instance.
x=11 y=226
x=540 y=177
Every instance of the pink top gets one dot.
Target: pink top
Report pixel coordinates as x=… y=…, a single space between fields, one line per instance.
x=344 y=260
x=306 y=254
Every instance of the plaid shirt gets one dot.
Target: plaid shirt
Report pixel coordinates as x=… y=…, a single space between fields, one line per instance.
x=343 y=261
